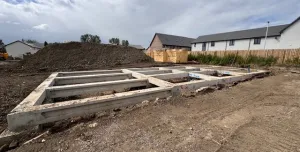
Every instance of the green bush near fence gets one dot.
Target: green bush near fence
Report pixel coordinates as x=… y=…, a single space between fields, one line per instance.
x=233 y=59
x=293 y=62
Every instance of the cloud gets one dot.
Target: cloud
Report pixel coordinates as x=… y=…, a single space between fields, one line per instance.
x=11 y=22
x=41 y=27
x=16 y=23
x=138 y=20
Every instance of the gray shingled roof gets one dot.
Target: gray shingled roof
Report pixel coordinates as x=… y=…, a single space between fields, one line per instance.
x=137 y=47
x=174 y=40
x=36 y=45
x=244 y=34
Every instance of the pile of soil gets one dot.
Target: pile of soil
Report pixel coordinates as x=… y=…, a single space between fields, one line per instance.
x=80 y=56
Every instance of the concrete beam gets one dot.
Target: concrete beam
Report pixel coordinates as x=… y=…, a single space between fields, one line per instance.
x=37 y=96
x=194 y=85
x=143 y=69
x=230 y=72
x=190 y=69
x=152 y=80
x=160 y=83
x=36 y=115
x=202 y=76
x=91 y=78
x=173 y=67
x=206 y=72
x=78 y=73
x=155 y=72
x=90 y=88
x=170 y=76
x=135 y=74
x=32 y=111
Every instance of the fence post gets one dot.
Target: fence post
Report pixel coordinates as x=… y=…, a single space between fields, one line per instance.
x=283 y=58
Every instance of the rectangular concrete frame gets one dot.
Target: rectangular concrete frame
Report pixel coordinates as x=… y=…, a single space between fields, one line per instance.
x=34 y=110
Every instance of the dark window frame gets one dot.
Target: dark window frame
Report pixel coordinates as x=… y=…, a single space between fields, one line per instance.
x=212 y=44
x=195 y=45
x=231 y=43
x=257 y=41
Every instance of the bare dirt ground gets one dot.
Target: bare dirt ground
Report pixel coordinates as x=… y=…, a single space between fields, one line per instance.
x=258 y=115
x=14 y=87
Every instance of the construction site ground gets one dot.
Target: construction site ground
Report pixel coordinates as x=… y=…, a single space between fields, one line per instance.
x=257 y=115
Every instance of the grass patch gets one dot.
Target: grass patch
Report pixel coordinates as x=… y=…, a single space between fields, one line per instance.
x=293 y=62
x=236 y=60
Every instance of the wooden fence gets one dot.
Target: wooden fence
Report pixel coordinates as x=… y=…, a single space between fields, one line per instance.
x=172 y=55
x=282 y=54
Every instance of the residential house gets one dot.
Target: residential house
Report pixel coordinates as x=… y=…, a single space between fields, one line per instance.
x=165 y=41
x=279 y=37
x=17 y=49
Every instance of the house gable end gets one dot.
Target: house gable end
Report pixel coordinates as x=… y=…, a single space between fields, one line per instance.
x=295 y=21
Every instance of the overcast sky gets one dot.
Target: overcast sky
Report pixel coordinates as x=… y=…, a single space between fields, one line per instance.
x=136 y=20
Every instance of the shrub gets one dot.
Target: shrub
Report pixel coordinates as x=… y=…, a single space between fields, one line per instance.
x=293 y=62
x=233 y=59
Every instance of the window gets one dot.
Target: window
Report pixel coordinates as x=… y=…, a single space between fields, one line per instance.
x=204 y=46
x=195 y=45
x=212 y=44
x=231 y=43
x=257 y=40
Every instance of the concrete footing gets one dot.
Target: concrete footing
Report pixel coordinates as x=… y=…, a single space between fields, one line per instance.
x=128 y=87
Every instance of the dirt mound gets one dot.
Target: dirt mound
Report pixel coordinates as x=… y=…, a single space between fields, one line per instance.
x=79 y=56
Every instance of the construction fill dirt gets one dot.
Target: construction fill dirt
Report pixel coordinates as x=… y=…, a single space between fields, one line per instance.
x=80 y=56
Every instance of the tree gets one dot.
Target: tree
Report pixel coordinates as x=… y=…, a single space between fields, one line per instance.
x=96 y=39
x=45 y=43
x=125 y=43
x=30 y=41
x=2 y=47
x=84 y=37
x=114 y=41
x=90 y=38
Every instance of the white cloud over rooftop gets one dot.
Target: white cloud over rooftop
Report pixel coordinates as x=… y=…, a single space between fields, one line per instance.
x=137 y=20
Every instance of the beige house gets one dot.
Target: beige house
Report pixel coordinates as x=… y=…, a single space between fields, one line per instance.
x=17 y=49
x=165 y=41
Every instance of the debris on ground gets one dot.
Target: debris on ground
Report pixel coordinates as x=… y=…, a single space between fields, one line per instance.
x=14 y=144
x=93 y=125
x=295 y=72
x=36 y=138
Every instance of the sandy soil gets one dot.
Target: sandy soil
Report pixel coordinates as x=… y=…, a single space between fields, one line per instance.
x=258 y=115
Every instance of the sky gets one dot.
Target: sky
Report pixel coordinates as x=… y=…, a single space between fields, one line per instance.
x=136 y=20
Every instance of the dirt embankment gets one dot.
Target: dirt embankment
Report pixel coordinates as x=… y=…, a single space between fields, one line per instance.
x=82 y=56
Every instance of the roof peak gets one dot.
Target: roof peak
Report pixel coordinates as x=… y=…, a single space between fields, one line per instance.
x=247 y=29
x=173 y=35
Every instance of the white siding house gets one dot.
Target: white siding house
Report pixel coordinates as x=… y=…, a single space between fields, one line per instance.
x=279 y=37
x=18 y=48
x=290 y=37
